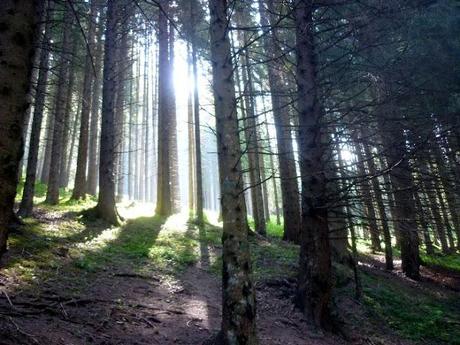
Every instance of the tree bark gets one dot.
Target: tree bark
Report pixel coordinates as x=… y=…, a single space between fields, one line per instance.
x=52 y=195
x=106 y=206
x=26 y=206
x=314 y=281
x=288 y=174
x=238 y=296
x=17 y=38
x=164 y=205
x=79 y=189
x=92 y=179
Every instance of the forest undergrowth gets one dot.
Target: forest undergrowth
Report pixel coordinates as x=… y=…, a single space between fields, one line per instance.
x=71 y=280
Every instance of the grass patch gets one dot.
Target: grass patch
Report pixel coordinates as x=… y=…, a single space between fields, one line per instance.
x=413 y=313
x=275 y=230
x=449 y=262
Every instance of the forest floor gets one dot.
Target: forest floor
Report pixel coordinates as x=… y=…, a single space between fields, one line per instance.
x=70 y=280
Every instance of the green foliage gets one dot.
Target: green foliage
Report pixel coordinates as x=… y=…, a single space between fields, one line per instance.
x=413 y=313
x=448 y=262
x=275 y=230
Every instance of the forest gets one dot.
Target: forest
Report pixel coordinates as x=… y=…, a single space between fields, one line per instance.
x=230 y=172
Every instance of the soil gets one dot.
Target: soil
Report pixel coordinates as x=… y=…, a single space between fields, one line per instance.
x=120 y=306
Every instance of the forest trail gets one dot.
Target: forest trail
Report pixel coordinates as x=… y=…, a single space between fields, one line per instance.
x=149 y=282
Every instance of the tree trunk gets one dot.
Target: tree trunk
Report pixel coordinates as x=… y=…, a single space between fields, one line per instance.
x=79 y=190
x=288 y=174
x=16 y=57
x=106 y=206
x=173 y=153
x=238 y=296
x=402 y=186
x=371 y=217
x=197 y=133
x=380 y=205
x=314 y=281
x=26 y=206
x=52 y=195
x=164 y=206
x=92 y=180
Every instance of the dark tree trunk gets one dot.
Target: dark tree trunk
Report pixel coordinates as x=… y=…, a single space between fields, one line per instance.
x=52 y=195
x=91 y=183
x=238 y=296
x=79 y=189
x=314 y=281
x=25 y=208
x=288 y=175
x=106 y=206
x=16 y=57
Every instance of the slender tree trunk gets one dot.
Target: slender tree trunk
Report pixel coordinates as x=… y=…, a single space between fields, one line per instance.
x=191 y=138
x=197 y=133
x=66 y=127
x=238 y=296
x=146 y=127
x=25 y=208
x=288 y=175
x=424 y=224
x=93 y=167
x=52 y=195
x=367 y=198
x=164 y=206
x=173 y=154
x=44 y=175
x=380 y=204
x=252 y=142
x=16 y=52
x=79 y=190
x=402 y=186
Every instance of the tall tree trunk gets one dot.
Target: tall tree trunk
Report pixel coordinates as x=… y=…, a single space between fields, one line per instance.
x=191 y=137
x=91 y=183
x=288 y=174
x=314 y=281
x=197 y=133
x=380 y=205
x=252 y=142
x=106 y=206
x=402 y=186
x=66 y=127
x=173 y=154
x=26 y=206
x=79 y=190
x=164 y=206
x=424 y=224
x=44 y=175
x=146 y=127
x=238 y=296
x=371 y=218
x=16 y=57
x=52 y=195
